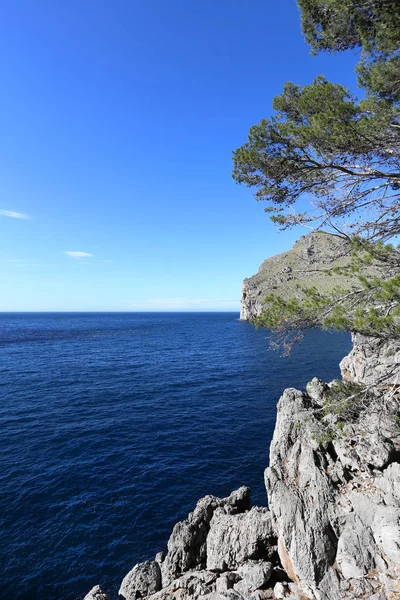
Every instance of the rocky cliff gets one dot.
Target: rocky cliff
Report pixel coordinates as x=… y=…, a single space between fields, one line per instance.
x=334 y=479
x=332 y=530
x=307 y=264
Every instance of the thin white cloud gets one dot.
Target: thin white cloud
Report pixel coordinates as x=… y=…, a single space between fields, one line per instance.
x=14 y=215
x=76 y=254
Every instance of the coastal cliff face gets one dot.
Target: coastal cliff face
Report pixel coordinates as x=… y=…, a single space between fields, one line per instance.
x=332 y=530
x=304 y=264
x=334 y=479
x=308 y=263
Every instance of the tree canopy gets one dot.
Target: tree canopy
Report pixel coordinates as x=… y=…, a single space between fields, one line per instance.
x=324 y=146
x=372 y=25
x=328 y=161
x=336 y=25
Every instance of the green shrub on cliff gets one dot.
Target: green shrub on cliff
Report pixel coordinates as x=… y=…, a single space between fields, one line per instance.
x=370 y=305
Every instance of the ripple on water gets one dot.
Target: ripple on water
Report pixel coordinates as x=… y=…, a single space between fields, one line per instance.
x=113 y=425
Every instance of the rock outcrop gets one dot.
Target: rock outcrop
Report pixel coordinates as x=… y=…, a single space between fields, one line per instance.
x=143 y=580
x=306 y=264
x=223 y=549
x=187 y=546
x=372 y=361
x=334 y=481
x=332 y=529
x=97 y=593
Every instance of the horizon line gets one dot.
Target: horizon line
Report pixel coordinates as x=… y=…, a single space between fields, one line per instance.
x=5 y=312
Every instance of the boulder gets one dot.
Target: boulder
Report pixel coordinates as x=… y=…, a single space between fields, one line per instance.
x=234 y=539
x=143 y=580
x=187 y=543
x=96 y=593
x=256 y=573
x=226 y=581
x=193 y=585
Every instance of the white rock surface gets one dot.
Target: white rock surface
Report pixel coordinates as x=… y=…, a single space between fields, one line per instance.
x=234 y=539
x=372 y=361
x=335 y=501
x=96 y=593
x=256 y=573
x=187 y=543
x=143 y=580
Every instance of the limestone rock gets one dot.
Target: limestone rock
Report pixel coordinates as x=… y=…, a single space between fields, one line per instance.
x=143 y=580
x=335 y=499
x=226 y=581
x=96 y=593
x=256 y=573
x=386 y=530
x=281 y=591
x=262 y=594
x=372 y=361
x=193 y=585
x=233 y=539
x=304 y=264
x=353 y=550
x=187 y=543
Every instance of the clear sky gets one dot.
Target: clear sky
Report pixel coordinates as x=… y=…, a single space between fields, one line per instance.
x=118 y=121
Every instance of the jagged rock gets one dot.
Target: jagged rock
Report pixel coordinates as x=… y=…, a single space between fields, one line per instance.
x=299 y=496
x=335 y=499
x=353 y=550
x=226 y=581
x=372 y=361
x=386 y=530
x=97 y=593
x=281 y=591
x=287 y=591
x=143 y=580
x=232 y=595
x=316 y=389
x=256 y=573
x=243 y=588
x=262 y=594
x=238 y=501
x=187 y=543
x=233 y=539
x=193 y=585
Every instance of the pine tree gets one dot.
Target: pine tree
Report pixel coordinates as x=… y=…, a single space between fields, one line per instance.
x=342 y=156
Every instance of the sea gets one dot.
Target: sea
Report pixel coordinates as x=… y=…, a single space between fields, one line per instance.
x=113 y=425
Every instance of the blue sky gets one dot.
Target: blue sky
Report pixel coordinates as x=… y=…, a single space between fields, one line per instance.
x=118 y=121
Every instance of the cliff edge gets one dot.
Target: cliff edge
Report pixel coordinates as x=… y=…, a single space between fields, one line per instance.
x=306 y=264
x=334 y=479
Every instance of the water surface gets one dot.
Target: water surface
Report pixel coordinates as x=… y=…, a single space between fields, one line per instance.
x=113 y=425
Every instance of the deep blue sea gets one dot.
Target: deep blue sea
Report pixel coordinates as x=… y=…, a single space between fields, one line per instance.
x=114 y=425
